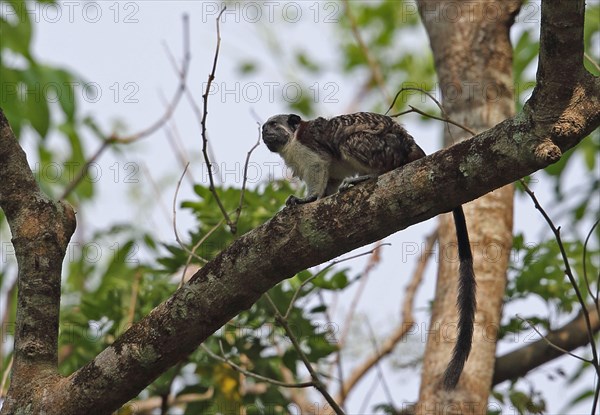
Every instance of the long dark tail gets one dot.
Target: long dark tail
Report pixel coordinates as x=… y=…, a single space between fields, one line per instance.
x=466 y=302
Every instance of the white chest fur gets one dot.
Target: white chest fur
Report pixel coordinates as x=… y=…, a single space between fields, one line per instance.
x=302 y=160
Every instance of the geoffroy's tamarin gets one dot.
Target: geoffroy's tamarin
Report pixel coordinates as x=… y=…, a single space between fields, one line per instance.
x=336 y=153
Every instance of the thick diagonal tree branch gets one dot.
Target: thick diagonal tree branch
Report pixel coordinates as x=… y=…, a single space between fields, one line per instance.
x=301 y=237
x=293 y=240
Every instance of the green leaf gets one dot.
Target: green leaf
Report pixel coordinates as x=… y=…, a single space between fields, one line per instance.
x=16 y=31
x=306 y=62
x=335 y=281
x=247 y=67
x=37 y=111
x=61 y=85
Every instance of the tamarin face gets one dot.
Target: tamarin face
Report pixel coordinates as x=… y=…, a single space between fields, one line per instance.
x=279 y=130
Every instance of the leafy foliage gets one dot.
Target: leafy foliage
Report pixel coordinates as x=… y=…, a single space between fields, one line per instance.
x=41 y=99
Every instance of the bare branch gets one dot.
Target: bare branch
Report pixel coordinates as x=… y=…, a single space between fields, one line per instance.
x=83 y=171
x=211 y=78
x=253 y=374
x=313 y=374
x=568 y=271
x=192 y=253
x=434 y=99
x=174 y=140
x=147 y=406
x=568 y=337
x=135 y=289
x=330 y=265
x=554 y=346
x=556 y=231
x=561 y=58
x=238 y=211
x=401 y=330
x=114 y=139
x=380 y=375
x=585 y=273
x=183 y=73
x=445 y=117
x=157 y=194
x=373 y=64
x=374 y=259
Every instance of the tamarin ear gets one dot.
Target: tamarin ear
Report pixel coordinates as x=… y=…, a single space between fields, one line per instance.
x=294 y=121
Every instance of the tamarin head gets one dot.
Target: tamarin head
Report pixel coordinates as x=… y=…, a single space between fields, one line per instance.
x=279 y=130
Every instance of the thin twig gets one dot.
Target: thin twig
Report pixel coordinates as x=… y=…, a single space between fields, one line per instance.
x=83 y=171
x=163 y=208
x=171 y=57
x=248 y=373
x=374 y=259
x=445 y=117
x=238 y=211
x=148 y=405
x=165 y=404
x=430 y=95
x=373 y=64
x=367 y=396
x=313 y=374
x=554 y=346
x=178 y=94
x=380 y=376
x=419 y=273
x=331 y=264
x=193 y=251
x=114 y=139
x=135 y=289
x=402 y=329
x=177 y=146
x=174 y=208
x=211 y=78
x=569 y=273
x=447 y=120
x=585 y=274
x=338 y=353
x=209 y=149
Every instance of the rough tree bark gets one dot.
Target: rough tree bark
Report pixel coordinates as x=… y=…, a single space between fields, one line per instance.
x=473 y=59
x=41 y=230
x=565 y=107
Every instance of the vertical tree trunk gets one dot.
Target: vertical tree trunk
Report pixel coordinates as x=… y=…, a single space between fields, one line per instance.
x=473 y=58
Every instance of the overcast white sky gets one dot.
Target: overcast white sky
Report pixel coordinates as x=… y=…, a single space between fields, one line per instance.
x=119 y=48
